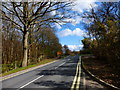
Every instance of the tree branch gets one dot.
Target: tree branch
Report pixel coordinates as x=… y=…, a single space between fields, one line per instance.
x=14 y=7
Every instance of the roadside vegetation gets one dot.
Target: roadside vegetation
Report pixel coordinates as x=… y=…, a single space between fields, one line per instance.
x=28 y=35
x=103 y=42
x=27 y=67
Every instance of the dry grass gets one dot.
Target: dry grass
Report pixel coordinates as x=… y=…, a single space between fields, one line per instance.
x=29 y=66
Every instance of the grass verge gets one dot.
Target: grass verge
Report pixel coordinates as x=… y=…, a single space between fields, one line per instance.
x=103 y=70
x=27 y=67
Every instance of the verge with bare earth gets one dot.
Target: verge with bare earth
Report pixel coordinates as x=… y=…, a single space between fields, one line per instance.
x=103 y=70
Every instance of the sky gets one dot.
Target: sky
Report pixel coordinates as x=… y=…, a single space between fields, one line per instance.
x=72 y=33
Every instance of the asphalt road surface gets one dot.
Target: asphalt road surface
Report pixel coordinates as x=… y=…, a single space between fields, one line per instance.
x=64 y=74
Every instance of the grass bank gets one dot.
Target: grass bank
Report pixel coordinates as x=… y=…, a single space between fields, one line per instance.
x=103 y=70
x=27 y=67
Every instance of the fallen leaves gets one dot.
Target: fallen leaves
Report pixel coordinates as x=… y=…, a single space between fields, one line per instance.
x=103 y=70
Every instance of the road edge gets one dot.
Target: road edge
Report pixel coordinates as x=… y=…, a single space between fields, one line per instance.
x=24 y=71
x=110 y=86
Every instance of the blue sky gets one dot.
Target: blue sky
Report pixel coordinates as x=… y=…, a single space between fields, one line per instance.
x=72 y=33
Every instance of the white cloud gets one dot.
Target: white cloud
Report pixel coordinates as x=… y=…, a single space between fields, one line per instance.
x=53 y=13
x=75 y=47
x=68 y=32
x=78 y=32
x=75 y=20
x=86 y=21
x=58 y=26
x=65 y=32
x=80 y=5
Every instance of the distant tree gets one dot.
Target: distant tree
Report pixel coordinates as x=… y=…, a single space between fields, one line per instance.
x=86 y=43
x=66 y=50
x=86 y=46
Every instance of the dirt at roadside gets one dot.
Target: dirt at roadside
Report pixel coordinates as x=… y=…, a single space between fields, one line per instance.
x=105 y=71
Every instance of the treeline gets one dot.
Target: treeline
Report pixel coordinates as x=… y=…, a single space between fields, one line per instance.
x=104 y=32
x=43 y=44
x=27 y=35
x=67 y=51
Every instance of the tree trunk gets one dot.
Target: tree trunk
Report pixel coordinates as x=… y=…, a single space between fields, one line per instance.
x=29 y=55
x=25 y=49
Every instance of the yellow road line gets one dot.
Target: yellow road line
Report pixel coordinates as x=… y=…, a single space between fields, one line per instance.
x=77 y=76
x=78 y=80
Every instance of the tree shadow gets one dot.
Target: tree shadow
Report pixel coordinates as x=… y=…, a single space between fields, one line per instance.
x=53 y=84
x=68 y=69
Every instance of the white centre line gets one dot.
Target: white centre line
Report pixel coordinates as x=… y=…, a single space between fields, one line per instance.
x=60 y=65
x=37 y=78
x=24 y=71
x=30 y=82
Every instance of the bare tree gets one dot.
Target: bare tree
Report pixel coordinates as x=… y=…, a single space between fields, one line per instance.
x=28 y=14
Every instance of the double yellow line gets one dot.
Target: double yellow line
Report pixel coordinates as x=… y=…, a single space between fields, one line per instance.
x=76 y=82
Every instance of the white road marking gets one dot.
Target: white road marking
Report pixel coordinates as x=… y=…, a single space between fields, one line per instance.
x=24 y=71
x=84 y=82
x=38 y=78
x=30 y=82
x=60 y=65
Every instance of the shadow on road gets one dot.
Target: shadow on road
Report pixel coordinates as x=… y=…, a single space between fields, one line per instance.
x=67 y=70
x=53 y=84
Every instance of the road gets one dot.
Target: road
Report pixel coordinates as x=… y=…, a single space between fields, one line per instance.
x=63 y=74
